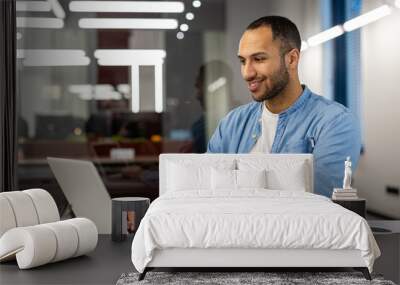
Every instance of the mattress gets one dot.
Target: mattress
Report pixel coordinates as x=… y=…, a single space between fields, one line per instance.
x=250 y=218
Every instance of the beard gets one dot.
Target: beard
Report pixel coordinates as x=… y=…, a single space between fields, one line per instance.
x=279 y=80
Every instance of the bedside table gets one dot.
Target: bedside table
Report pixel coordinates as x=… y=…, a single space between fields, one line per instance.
x=127 y=212
x=356 y=205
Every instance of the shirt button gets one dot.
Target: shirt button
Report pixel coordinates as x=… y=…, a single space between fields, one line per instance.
x=254 y=136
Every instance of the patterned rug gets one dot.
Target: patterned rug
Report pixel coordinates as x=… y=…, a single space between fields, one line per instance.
x=269 y=278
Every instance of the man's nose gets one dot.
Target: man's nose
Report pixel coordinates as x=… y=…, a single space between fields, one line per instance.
x=248 y=71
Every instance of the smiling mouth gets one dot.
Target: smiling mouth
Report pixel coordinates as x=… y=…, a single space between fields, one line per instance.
x=254 y=85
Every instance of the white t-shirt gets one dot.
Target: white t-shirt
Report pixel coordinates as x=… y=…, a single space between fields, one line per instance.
x=269 y=122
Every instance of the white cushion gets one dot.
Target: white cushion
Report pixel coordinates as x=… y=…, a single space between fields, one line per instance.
x=185 y=178
x=223 y=179
x=291 y=179
x=40 y=244
x=45 y=205
x=7 y=218
x=282 y=174
x=191 y=174
x=251 y=178
x=226 y=179
x=67 y=240
x=23 y=208
x=87 y=233
x=33 y=246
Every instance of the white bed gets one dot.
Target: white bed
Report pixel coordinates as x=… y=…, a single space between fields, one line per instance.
x=202 y=220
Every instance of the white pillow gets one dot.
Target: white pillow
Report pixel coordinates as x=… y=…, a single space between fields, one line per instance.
x=236 y=179
x=223 y=179
x=251 y=178
x=282 y=174
x=293 y=179
x=183 y=178
x=192 y=175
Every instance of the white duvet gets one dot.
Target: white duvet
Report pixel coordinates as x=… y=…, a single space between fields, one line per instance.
x=253 y=218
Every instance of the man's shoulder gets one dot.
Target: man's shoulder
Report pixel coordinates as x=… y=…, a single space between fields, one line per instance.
x=244 y=110
x=326 y=107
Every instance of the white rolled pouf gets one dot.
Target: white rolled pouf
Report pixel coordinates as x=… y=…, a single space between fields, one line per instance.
x=23 y=208
x=33 y=246
x=87 y=235
x=7 y=217
x=45 y=205
x=67 y=239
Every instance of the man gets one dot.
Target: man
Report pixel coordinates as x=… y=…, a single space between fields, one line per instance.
x=285 y=116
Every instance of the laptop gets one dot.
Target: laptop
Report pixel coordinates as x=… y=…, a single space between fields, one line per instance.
x=84 y=190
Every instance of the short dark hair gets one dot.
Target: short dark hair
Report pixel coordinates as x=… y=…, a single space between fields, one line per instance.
x=282 y=28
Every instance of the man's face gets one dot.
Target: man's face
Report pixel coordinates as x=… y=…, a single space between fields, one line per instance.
x=262 y=66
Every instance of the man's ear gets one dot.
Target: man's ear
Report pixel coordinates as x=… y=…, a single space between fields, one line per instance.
x=292 y=58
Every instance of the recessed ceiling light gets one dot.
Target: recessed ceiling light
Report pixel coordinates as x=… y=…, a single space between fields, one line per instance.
x=189 y=16
x=196 y=3
x=180 y=35
x=127 y=6
x=119 y=23
x=184 y=27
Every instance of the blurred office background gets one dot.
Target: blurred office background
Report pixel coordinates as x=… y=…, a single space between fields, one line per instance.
x=95 y=80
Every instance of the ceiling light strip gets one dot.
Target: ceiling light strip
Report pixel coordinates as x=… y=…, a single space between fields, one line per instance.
x=57 y=61
x=367 y=18
x=119 y=23
x=55 y=57
x=158 y=85
x=135 y=82
x=325 y=35
x=32 y=6
x=124 y=57
x=40 y=23
x=135 y=59
x=127 y=6
x=350 y=25
x=304 y=46
x=57 y=9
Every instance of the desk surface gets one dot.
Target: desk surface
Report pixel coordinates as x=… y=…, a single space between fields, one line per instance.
x=100 y=160
x=102 y=266
x=392 y=225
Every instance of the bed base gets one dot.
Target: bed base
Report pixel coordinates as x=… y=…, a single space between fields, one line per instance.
x=244 y=259
x=363 y=270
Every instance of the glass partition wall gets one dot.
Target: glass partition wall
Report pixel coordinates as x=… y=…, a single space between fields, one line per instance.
x=117 y=85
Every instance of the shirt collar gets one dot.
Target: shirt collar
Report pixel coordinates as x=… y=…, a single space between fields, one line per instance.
x=295 y=106
x=298 y=103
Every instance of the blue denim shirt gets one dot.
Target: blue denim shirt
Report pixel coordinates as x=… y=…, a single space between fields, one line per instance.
x=313 y=124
